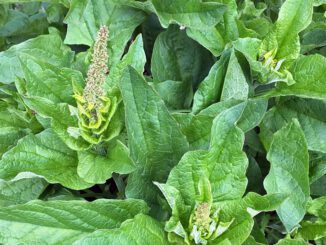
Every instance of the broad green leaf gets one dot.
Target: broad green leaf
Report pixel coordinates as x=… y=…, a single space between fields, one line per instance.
x=252 y=11
x=308 y=73
x=63 y=222
x=317 y=207
x=241 y=225
x=197 y=128
x=145 y=6
x=312 y=230
x=176 y=94
x=210 y=89
x=314 y=37
x=20 y=26
x=46 y=155
x=251 y=241
x=289 y=173
x=142 y=230
x=209 y=37
x=235 y=83
x=21 y=191
x=193 y=13
x=317 y=188
x=135 y=57
x=48 y=81
x=57 y=192
x=95 y=168
x=180 y=212
x=294 y=16
x=47 y=48
x=77 y=32
x=55 y=13
x=260 y=25
x=317 y=166
x=254 y=173
x=253 y=114
x=224 y=164
x=249 y=48
x=14 y=124
x=288 y=241
x=155 y=141
x=66 y=129
x=265 y=203
x=310 y=114
x=319 y=2
x=178 y=58
x=229 y=28
x=86 y=16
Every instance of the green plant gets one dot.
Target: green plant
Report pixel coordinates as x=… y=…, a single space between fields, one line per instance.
x=162 y=122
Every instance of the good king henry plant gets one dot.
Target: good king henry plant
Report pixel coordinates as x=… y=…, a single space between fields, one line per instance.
x=160 y=122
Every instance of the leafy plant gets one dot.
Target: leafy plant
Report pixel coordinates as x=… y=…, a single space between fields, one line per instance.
x=162 y=122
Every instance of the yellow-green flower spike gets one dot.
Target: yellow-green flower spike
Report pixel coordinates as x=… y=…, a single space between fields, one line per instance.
x=96 y=108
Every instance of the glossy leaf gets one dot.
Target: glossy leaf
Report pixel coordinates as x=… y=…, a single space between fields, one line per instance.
x=148 y=120
x=289 y=171
x=193 y=13
x=47 y=48
x=45 y=155
x=21 y=191
x=86 y=16
x=63 y=222
x=309 y=77
x=142 y=230
x=95 y=168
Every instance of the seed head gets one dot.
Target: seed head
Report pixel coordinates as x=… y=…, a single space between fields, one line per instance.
x=98 y=70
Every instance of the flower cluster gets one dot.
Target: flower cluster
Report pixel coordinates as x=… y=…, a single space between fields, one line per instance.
x=95 y=107
x=270 y=62
x=205 y=225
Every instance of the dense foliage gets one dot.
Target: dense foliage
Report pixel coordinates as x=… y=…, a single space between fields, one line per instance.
x=163 y=122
